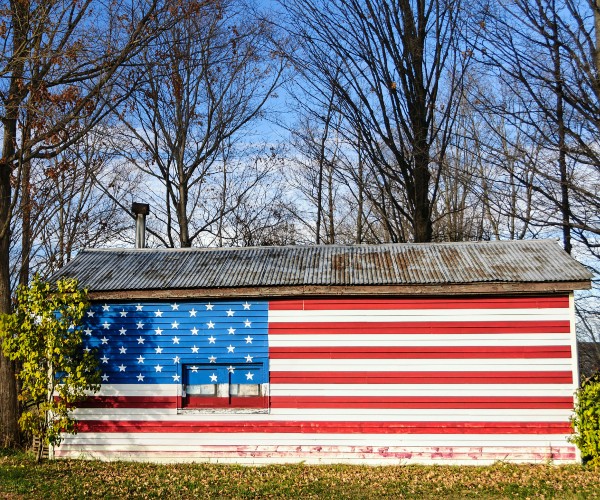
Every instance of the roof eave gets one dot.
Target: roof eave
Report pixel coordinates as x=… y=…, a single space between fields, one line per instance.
x=486 y=288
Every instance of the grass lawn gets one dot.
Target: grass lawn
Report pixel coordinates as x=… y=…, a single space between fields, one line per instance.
x=20 y=477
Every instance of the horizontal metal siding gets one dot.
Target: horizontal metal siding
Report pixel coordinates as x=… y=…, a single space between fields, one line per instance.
x=470 y=421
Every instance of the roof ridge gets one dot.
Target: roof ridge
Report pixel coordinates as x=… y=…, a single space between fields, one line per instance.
x=313 y=246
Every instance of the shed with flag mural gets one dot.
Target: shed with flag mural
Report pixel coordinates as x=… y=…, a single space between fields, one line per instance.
x=395 y=353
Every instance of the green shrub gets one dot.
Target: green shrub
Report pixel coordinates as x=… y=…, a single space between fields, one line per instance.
x=586 y=420
x=55 y=371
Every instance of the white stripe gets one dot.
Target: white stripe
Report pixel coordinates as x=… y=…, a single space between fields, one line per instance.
x=188 y=441
x=138 y=390
x=426 y=340
x=418 y=365
x=419 y=315
x=331 y=415
x=450 y=390
x=559 y=390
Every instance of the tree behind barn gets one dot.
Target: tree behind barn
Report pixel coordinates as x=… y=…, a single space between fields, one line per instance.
x=60 y=67
x=206 y=81
x=395 y=69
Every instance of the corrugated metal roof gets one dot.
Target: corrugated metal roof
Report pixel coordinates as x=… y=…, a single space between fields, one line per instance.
x=330 y=265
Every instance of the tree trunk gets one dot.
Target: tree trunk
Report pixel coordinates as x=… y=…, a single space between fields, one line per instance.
x=565 y=205
x=9 y=429
x=596 y=9
x=423 y=229
x=25 y=218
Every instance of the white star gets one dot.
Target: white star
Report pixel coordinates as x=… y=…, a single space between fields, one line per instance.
x=175 y=306
x=158 y=350
x=212 y=359
x=122 y=331
x=230 y=312
x=231 y=331
x=194 y=369
x=140 y=340
x=87 y=349
x=176 y=360
x=213 y=378
x=90 y=314
x=175 y=325
x=88 y=331
x=210 y=325
x=141 y=359
x=140 y=325
x=249 y=339
x=158 y=331
x=104 y=359
x=194 y=331
x=71 y=326
x=104 y=340
x=249 y=376
x=123 y=313
x=175 y=340
x=158 y=313
x=105 y=378
x=158 y=368
x=230 y=369
x=123 y=350
x=211 y=340
x=209 y=307
x=106 y=307
x=194 y=349
x=230 y=348
x=247 y=323
x=139 y=307
x=246 y=306
x=192 y=313
x=122 y=368
x=140 y=378
x=248 y=359
x=106 y=325
x=176 y=378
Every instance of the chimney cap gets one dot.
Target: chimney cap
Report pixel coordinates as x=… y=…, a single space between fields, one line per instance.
x=140 y=208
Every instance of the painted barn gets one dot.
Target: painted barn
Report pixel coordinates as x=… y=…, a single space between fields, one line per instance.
x=377 y=354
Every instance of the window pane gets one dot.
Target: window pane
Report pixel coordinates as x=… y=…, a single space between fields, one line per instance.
x=202 y=390
x=244 y=390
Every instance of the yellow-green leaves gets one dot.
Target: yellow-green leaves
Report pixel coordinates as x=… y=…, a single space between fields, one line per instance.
x=55 y=372
x=586 y=419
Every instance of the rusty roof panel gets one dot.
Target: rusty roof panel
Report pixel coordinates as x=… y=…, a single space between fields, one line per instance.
x=329 y=265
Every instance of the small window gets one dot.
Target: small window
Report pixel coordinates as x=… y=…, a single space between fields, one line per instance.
x=244 y=390
x=221 y=386
x=202 y=390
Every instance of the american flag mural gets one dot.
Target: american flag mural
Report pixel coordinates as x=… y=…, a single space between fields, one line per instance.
x=376 y=380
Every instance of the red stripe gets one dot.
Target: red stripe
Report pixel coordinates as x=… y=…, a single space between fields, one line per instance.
x=516 y=352
x=318 y=427
x=429 y=327
x=412 y=304
x=422 y=402
x=430 y=377
x=375 y=402
x=192 y=401
x=129 y=402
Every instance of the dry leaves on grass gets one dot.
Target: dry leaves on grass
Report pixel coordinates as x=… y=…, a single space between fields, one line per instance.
x=75 y=479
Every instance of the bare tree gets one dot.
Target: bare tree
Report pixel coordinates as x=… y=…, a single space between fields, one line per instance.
x=545 y=55
x=205 y=83
x=395 y=69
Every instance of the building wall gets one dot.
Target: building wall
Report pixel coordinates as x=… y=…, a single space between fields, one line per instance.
x=371 y=380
